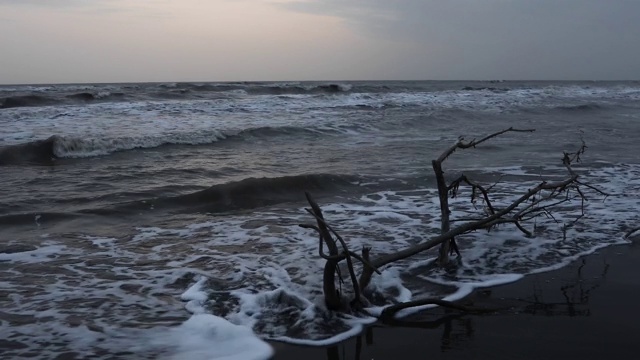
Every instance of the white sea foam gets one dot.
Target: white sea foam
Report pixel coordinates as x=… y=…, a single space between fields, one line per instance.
x=47 y=251
x=77 y=147
x=101 y=128
x=195 y=297
x=285 y=281
x=258 y=275
x=209 y=337
x=489 y=259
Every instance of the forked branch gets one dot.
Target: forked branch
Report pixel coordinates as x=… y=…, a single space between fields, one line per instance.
x=461 y=144
x=540 y=200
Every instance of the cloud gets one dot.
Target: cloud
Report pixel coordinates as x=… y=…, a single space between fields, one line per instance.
x=51 y=3
x=144 y=8
x=422 y=17
x=520 y=38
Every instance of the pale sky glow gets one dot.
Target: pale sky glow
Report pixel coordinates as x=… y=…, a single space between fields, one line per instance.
x=60 y=41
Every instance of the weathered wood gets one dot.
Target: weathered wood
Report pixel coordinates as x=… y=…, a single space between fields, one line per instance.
x=443 y=195
x=631 y=232
x=443 y=190
x=389 y=312
x=468 y=226
x=538 y=200
x=332 y=297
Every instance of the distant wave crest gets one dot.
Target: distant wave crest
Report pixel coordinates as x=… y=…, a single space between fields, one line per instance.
x=26 y=100
x=267 y=88
x=70 y=99
x=581 y=107
x=183 y=91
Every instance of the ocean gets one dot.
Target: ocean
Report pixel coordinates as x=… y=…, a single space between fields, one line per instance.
x=160 y=220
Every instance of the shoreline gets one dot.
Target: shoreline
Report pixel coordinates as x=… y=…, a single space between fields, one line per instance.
x=583 y=310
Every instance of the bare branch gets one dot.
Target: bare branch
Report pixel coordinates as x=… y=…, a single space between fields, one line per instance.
x=508 y=221
x=460 y=144
x=332 y=296
x=525 y=231
x=605 y=194
x=388 y=313
x=320 y=250
x=539 y=200
x=341 y=240
x=443 y=190
x=485 y=193
x=436 y=240
x=630 y=232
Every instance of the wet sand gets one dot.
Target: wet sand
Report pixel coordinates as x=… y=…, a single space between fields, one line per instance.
x=587 y=310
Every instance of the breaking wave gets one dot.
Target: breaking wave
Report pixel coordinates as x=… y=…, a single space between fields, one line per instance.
x=246 y=194
x=582 y=107
x=253 y=193
x=184 y=91
x=26 y=100
x=38 y=152
x=70 y=99
x=268 y=88
x=47 y=150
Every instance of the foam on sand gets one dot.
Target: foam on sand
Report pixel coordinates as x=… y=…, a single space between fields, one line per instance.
x=251 y=276
x=209 y=337
x=279 y=278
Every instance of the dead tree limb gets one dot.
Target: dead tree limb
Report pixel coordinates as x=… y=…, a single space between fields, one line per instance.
x=539 y=200
x=334 y=258
x=630 y=232
x=389 y=312
x=332 y=297
x=448 y=245
x=466 y=227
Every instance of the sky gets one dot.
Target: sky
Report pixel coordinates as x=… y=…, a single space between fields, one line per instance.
x=84 y=41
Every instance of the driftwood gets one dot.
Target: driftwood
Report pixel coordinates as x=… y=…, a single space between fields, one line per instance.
x=444 y=189
x=631 y=232
x=539 y=200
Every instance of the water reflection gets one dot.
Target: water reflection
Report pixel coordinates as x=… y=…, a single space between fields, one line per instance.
x=539 y=295
x=575 y=293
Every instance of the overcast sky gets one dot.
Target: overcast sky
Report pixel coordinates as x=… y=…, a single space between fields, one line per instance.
x=53 y=41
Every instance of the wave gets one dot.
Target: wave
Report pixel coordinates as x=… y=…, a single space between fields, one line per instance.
x=581 y=108
x=494 y=89
x=37 y=152
x=48 y=150
x=246 y=194
x=252 y=193
x=274 y=131
x=26 y=100
x=184 y=91
x=291 y=88
x=35 y=218
x=70 y=99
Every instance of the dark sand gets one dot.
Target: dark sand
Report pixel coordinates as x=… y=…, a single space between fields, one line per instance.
x=587 y=310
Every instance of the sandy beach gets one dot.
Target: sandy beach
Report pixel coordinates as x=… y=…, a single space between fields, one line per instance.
x=587 y=310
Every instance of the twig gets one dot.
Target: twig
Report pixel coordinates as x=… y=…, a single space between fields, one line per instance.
x=630 y=232
x=460 y=144
x=342 y=256
x=352 y=274
x=605 y=194
x=388 y=313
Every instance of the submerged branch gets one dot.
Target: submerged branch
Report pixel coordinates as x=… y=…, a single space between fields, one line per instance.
x=630 y=232
x=389 y=313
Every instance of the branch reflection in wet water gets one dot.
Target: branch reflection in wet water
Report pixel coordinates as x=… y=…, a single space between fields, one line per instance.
x=545 y=296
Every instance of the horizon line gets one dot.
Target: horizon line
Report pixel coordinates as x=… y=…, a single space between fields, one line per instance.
x=313 y=81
